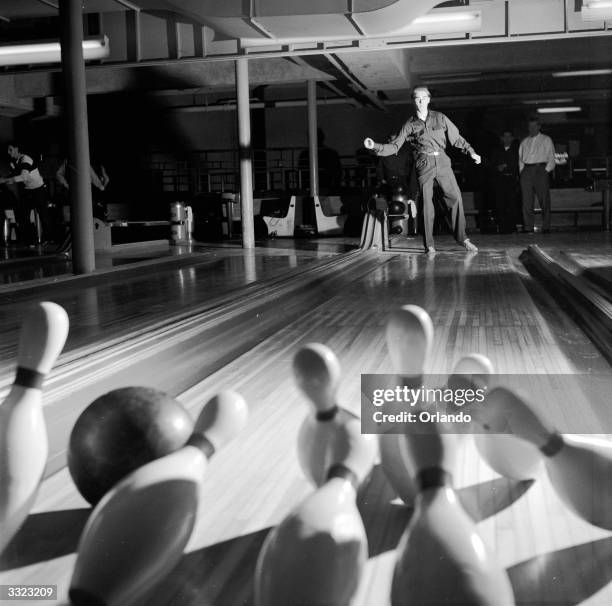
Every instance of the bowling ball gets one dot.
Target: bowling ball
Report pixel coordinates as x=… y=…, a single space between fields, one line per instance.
x=121 y=431
x=397 y=208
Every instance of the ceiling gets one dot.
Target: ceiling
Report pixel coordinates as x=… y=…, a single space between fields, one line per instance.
x=362 y=53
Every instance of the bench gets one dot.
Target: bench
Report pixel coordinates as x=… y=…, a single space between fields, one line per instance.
x=570 y=201
x=576 y=211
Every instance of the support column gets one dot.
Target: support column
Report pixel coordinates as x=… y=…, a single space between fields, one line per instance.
x=245 y=153
x=77 y=169
x=313 y=156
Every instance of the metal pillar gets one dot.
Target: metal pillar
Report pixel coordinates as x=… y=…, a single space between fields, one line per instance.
x=245 y=152
x=313 y=156
x=77 y=169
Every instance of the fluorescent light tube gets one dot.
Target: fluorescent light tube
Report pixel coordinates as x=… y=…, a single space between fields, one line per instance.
x=459 y=21
x=596 y=11
x=50 y=52
x=443 y=22
x=559 y=110
x=540 y=101
x=582 y=72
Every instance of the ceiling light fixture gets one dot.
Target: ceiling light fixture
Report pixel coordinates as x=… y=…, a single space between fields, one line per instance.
x=540 y=101
x=459 y=21
x=559 y=110
x=594 y=10
x=443 y=22
x=582 y=72
x=50 y=52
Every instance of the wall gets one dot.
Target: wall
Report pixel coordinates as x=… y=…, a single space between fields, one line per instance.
x=6 y=129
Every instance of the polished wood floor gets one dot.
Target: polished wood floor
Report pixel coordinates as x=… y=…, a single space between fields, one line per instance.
x=485 y=303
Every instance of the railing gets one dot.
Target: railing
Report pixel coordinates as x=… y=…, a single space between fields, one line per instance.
x=280 y=169
x=597 y=167
x=273 y=169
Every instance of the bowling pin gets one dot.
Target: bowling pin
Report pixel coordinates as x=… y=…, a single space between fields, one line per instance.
x=506 y=454
x=23 y=433
x=470 y=372
x=441 y=558
x=317 y=554
x=579 y=468
x=138 y=531
x=409 y=336
x=317 y=374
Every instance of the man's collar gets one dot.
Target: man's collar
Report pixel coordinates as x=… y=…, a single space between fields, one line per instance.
x=416 y=116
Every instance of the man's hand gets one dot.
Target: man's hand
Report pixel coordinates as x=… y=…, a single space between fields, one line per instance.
x=368 y=143
x=476 y=158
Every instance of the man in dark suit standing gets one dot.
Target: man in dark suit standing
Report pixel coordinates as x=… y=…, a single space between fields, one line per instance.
x=505 y=170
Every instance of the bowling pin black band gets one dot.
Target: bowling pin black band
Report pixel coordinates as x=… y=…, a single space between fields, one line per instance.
x=203 y=443
x=412 y=382
x=553 y=446
x=327 y=415
x=26 y=377
x=341 y=471
x=433 y=477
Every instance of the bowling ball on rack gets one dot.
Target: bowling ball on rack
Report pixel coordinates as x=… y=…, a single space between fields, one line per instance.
x=121 y=431
x=397 y=208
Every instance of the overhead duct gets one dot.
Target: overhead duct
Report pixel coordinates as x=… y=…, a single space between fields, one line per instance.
x=314 y=20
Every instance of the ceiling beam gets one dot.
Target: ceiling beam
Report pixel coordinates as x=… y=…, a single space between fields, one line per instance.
x=341 y=92
x=329 y=48
x=54 y=5
x=351 y=78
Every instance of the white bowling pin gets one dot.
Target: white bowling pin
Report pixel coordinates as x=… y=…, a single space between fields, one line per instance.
x=579 y=468
x=472 y=370
x=504 y=453
x=138 y=531
x=441 y=558
x=23 y=433
x=409 y=336
x=317 y=374
x=317 y=553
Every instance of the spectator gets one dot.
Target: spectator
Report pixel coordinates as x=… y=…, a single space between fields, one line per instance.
x=536 y=162
x=505 y=173
x=99 y=182
x=32 y=196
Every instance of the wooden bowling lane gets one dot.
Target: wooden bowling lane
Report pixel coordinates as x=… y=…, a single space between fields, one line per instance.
x=116 y=305
x=477 y=303
x=22 y=266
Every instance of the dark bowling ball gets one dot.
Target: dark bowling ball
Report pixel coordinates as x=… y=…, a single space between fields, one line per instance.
x=398 y=226
x=397 y=208
x=121 y=431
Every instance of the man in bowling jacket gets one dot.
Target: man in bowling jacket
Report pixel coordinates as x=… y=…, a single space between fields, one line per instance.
x=427 y=131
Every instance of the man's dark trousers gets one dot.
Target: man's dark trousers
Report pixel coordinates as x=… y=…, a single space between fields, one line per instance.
x=534 y=179
x=438 y=168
